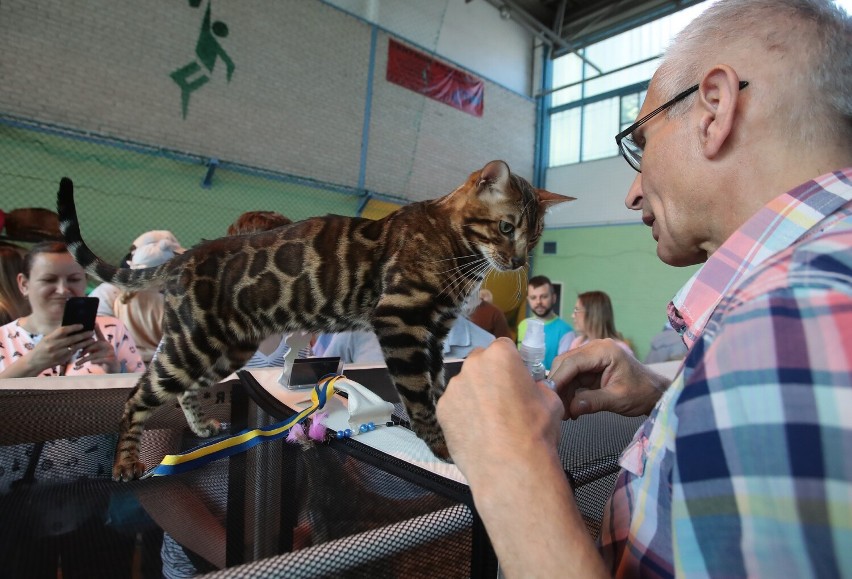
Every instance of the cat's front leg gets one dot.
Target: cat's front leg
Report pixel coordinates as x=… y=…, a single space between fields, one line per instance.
x=425 y=425
x=416 y=384
x=126 y=464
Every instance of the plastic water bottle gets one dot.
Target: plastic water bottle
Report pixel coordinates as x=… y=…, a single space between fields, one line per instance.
x=532 y=349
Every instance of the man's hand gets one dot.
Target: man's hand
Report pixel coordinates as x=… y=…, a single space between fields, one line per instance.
x=601 y=376
x=502 y=430
x=493 y=408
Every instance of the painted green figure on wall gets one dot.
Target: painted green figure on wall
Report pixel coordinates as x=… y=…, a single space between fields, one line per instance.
x=208 y=50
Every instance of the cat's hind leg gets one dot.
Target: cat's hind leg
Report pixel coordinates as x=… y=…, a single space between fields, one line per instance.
x=199 y=424
x=162 y=382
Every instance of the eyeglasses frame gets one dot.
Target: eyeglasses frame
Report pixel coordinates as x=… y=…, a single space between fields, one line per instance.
x=629 y=130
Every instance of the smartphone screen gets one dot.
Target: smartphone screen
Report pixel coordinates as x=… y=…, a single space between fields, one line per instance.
x=81 y=310
x=307 y=372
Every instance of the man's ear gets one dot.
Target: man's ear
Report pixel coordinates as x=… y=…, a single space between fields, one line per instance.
x=718 y=97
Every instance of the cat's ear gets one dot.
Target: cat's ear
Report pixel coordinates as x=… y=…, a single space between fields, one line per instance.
x=495 y=173
x=547 y=199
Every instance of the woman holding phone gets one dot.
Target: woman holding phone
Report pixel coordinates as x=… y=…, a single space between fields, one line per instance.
x=39 y=345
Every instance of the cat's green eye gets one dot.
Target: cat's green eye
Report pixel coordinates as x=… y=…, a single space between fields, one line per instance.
x=506 y=228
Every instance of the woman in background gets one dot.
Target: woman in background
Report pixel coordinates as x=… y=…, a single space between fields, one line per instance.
x=594 y=320
x=80 y=544
x=13 y=304
x=37 y=344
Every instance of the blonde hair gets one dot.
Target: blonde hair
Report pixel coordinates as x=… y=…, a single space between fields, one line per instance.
x=598 y=317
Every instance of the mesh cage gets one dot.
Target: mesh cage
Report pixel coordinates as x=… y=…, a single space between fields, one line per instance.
x=589 y=448
x=339 y=509
x=328 y=510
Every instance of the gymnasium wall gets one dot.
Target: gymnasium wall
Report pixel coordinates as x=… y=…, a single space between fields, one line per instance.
x=134 y=100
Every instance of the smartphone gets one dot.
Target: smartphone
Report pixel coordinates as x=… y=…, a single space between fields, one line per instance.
x=307 y=372
x=81 y=311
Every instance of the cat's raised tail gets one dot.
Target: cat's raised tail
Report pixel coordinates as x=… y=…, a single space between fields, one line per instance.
x=69 y=225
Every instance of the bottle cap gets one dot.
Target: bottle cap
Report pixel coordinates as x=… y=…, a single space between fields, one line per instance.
x=534 y=336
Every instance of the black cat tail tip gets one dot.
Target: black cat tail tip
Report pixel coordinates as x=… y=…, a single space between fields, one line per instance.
x=66 y=187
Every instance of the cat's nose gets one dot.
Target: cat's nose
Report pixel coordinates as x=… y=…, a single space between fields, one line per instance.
x=518 y=262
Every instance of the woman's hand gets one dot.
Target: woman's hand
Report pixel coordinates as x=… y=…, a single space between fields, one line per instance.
x=55 y=349
x=601 y=376
x=99 y=351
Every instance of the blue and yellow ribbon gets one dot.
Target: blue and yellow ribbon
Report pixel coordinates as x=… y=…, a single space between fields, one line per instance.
x=242 y=441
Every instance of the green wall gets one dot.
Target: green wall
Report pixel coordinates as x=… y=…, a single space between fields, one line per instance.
x=123 y=191
x=621 y=261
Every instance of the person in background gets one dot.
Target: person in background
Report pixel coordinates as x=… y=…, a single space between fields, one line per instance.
x=253 y=221
x=540 y=298
x=37 y=344
x=364 y=348
x=666 y=346
x=13 y=304
x=142 y=311
x=594 y=320
x=743 y=153
x=488 y=316
x=107 y=292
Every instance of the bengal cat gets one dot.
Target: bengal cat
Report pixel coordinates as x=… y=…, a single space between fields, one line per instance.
x=404 y=276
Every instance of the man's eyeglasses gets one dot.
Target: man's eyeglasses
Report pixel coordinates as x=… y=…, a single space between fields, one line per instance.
x=632 y=152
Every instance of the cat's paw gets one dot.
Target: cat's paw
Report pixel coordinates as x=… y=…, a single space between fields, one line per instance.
x=206 y=428
x=127 y=469
x=439 y=449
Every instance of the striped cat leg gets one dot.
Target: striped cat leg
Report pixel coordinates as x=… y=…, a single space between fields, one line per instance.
x=142 y=400
x=198 y=423
x=412 y=376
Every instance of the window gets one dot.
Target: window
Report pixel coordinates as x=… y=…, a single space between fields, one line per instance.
x=599 y=92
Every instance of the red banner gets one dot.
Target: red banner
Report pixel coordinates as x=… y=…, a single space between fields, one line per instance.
x=423 y=74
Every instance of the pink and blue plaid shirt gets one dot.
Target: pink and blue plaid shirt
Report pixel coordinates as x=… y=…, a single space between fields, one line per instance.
x=744 y=468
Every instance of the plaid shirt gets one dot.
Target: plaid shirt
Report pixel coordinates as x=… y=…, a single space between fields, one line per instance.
x=745 y=465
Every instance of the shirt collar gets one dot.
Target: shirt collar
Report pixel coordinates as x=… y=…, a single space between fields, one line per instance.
x=774 y=228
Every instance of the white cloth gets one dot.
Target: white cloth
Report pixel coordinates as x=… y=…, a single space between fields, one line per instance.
x=154 y=254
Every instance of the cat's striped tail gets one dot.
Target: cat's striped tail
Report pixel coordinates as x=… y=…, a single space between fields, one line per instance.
x=131 y=279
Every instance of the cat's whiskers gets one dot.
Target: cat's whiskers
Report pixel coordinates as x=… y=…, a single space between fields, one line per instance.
x=455 y=257
x=463 y=274
x=465 y=267
x=478 y=275
x=458 y=282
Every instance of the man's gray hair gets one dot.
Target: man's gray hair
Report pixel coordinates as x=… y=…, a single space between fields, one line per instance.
x=813 y=39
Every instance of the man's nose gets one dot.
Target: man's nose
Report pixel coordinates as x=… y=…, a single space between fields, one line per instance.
x=634 y=194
